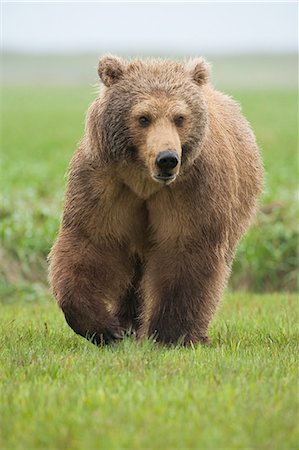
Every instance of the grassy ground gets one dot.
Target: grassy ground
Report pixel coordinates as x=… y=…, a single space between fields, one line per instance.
x=58 y=391
x=243 y=71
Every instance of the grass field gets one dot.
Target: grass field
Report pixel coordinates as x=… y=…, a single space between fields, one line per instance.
x=58 y=391
x=41 y=128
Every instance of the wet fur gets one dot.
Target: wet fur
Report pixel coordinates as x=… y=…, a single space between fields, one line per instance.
x=133 y=254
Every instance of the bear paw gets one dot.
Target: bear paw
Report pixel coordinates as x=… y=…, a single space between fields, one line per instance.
x=108 y=337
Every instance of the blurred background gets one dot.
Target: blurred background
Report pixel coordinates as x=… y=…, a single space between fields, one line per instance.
x=49 y=58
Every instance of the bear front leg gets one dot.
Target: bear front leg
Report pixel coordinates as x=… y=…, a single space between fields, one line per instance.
x=85 y=279
x=127 y=310
x=181 y=292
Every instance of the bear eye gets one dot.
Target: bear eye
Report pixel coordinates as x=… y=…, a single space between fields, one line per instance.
x=179 y=121
x=144 y=121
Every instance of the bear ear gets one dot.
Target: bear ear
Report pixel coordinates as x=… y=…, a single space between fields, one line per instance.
x=199 y=70
x=110 y=69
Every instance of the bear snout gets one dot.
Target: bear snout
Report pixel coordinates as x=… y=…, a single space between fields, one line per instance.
x=166 y=162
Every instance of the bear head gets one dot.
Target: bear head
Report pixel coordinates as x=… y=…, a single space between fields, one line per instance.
x=151 y=115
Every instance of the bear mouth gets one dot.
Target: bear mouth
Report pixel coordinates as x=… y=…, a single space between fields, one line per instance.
x=165 y=178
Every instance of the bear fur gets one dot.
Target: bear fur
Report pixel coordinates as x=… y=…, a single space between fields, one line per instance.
x=144 y=251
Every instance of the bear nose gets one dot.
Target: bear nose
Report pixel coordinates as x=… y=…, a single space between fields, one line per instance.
x=167 y=160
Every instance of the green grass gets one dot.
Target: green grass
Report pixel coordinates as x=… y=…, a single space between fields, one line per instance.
x=58 y=391
x=41 y=127
x=228 y=71
x=267 y=259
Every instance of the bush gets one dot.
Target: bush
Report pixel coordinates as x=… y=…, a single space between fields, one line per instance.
x=267 y=258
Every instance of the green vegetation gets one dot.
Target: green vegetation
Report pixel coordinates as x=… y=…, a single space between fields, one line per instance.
x=41 y=128
x=58 y=391
x=267 y=259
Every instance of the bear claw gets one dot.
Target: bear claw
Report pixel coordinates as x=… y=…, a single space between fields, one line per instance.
x=109 y=337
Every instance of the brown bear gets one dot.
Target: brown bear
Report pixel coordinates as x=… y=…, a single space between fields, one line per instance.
x=163 y=185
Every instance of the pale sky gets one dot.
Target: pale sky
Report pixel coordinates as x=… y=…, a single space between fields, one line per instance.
x=185 y=28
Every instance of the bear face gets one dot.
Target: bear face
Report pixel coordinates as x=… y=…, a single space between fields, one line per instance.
x=151 y=115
